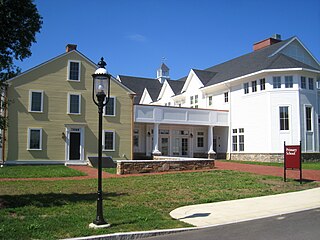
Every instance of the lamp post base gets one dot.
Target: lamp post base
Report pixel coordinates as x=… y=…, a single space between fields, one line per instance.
x=95 y=226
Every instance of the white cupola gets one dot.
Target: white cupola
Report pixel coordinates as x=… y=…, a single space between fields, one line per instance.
x=163 y=73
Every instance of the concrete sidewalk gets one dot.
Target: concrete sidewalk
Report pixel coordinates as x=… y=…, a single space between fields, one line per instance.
x=213 y=214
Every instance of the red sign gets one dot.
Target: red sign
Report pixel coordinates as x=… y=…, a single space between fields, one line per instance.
x=292 y=156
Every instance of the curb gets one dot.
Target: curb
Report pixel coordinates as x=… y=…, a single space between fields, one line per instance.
x=135 y=235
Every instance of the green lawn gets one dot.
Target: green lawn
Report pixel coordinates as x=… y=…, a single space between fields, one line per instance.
x=305 y=165
x=110 y=170
x=63 y=209
x=38 y=171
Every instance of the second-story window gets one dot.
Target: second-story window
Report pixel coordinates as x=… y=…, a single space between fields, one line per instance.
x=303 y=82
x=276 y=82
x=288 y=80
x=262 y=84
x=226 y=97
x=110 y=108
x=210 y=100
x=254 y=86
x=246 y=88
x=74 y=70
x=311 y=83
x=194 y=101
x=74 y=106
x=36 y=101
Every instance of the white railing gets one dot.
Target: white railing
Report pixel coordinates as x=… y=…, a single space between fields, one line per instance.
x=176 y=115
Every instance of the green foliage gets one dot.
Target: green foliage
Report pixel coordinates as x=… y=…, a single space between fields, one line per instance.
x=64 y=209
x=38 y=171
x=19 y=21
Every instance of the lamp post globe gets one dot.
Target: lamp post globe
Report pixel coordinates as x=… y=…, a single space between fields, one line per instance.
x=100 y=91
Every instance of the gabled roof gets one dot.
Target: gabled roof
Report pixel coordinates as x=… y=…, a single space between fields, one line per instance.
x=138 y=84
x=254 y=62
x=204 y=76
x=175 y=85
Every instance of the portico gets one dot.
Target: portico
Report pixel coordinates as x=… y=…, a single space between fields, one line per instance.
x=173 y=131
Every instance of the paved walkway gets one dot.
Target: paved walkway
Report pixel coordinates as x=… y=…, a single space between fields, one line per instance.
x=313 y=175
x=213 y=214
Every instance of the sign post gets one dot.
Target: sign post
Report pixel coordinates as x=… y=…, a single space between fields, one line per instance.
x=292 y=159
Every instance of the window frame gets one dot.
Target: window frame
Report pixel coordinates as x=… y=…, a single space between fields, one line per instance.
x=246 y=88
x=210 y=100
x=69 y=103
x=283 y=121
x=226 y=97
x=308 y=119
x=303 y=82
x=310 y=79
x=69 y=69
x=30 y=100
x=254 y=86
x=113 y=140
x=276 y=82
x=288 y=81
x=114 y=108
x=40 y=139
x=262 y=83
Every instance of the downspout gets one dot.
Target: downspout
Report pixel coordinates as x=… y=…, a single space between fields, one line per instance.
x=230 y=122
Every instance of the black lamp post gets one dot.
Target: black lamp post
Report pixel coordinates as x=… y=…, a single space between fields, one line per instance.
x=101 y=88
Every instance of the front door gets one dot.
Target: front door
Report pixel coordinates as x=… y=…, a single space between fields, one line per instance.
x=180 y=146
x=74 y=147
x=164 y=146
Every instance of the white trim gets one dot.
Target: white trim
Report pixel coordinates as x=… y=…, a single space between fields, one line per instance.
x=30 y=100
x=68 y=103
x=113 y=140
x=114 y=108
x=40 y=140
x=144 y=95
x=68 y=71
x=205 y=89
x=67 y=148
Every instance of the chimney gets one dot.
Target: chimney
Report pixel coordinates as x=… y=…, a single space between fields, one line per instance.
x=267 y=42
x=71 y=47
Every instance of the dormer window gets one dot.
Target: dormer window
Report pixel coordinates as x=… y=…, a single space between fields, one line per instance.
x=74 y=70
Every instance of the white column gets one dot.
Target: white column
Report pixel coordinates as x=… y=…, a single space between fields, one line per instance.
x=155 y=150
x=210 y=140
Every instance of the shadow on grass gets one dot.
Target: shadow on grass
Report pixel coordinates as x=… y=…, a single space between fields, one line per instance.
x=50 y=199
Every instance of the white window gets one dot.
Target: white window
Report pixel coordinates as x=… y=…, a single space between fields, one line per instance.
x=308 y=119
x=110 y=108
x=276 y=82
x=34 y=139
x=200 y=139
x=254 y=86
x=74 y=69
x=109 y=140
x=262 y=84
x=36 y=101
x=238 y=140
x=226 y=97
x=284 y=118
x=74 y=103
x=194 y=101
x=288 y=80
x=246 y=88
x=303 y=82
x=210 y=100
x=311 y=83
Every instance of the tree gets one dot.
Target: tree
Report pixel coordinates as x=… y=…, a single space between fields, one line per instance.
x=19 y=21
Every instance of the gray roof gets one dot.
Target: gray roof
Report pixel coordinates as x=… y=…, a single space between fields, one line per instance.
x=164 y=67
x=254 y=62
x=138 y=84
x=204 y=76
x=175 y=85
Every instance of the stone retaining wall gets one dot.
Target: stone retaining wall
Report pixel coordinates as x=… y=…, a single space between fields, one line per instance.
x=155 y=166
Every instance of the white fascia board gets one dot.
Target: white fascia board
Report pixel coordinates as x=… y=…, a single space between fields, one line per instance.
x=187 y=82
x=295 y=38
x=205 y=89
x=163 y=89
x=144 y=95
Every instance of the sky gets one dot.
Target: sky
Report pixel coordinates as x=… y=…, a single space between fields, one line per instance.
x=136 y=36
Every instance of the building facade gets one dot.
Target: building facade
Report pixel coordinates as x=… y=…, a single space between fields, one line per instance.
x=52 y=118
